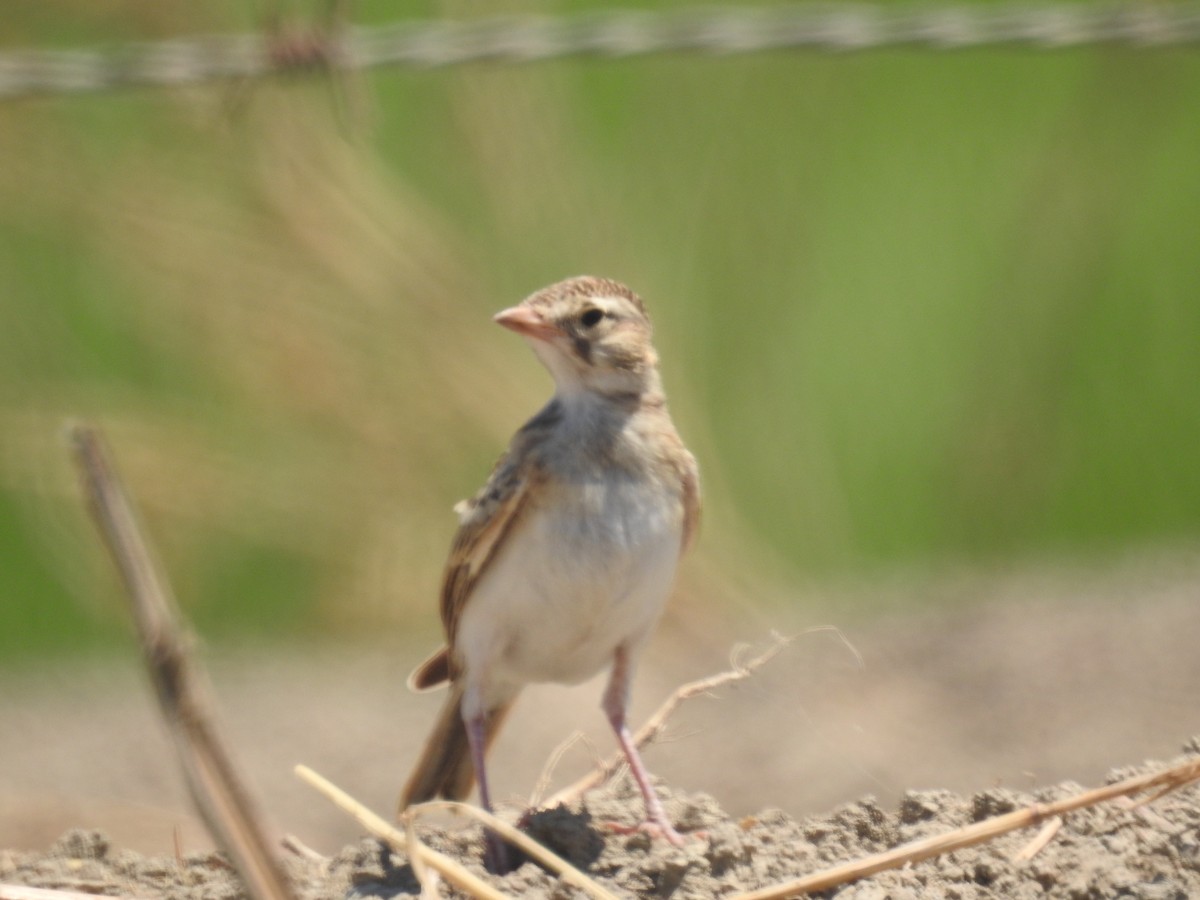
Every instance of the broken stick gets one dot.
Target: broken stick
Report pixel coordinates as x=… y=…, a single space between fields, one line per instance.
x=216 y=787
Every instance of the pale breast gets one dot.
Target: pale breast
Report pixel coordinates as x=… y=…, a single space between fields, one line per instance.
x=589 y=568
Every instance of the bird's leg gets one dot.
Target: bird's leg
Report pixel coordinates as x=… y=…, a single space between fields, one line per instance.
x=495 y=853
x=616 y=701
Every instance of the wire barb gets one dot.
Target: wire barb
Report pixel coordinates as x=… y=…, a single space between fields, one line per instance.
x=828 y=27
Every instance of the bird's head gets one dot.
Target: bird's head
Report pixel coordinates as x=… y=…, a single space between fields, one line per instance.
x=593 y=334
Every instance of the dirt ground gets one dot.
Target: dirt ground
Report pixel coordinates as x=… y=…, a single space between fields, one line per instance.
x=1003 y=689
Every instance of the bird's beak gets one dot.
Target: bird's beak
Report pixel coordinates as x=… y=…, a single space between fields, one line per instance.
x=526 y=322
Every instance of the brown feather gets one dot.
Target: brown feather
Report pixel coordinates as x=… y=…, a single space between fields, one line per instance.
x=445 y=768
x=690 y=479
x=432 y=673
x=491 y=515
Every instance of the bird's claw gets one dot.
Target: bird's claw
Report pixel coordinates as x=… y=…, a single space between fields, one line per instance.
x=657 y=830
x=497 y=855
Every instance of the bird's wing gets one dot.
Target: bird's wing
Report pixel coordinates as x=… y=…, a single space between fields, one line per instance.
x=690 y=479
x=486 y=520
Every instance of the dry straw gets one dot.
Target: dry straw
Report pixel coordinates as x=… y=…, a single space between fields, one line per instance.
x=217 y=787
x=1162 y=782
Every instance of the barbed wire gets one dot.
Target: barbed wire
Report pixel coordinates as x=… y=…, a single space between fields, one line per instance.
x=840 y=27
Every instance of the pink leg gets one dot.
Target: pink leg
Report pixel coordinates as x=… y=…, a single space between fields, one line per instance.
x=495 y=853
x=616 y=700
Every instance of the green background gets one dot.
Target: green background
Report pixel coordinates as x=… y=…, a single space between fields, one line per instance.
x=916 y=310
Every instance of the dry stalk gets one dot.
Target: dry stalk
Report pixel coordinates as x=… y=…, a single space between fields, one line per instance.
x=1044 y=836
x=916 y=851
x=297 y=847
x=520 y=839
x=20 y=892
x=451 y=870
x=426 y=877
x=423 y=857
x=216 y=787
x=556 y=755
x=655 y=724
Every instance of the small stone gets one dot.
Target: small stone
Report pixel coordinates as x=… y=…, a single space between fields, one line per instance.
x=995 y=802
x=698 y=812
x=81 y=843
x=725 y=848
x=920 y=806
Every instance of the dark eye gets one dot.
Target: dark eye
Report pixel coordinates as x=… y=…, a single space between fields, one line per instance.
x=591 y=317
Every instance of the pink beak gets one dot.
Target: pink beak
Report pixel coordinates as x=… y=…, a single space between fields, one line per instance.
x=526 y=322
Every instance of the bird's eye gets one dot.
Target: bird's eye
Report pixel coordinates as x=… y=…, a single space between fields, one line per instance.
x=591 y=317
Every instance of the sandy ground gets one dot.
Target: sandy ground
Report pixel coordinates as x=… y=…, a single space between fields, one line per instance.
x=1003 y=688
x=1098 y=853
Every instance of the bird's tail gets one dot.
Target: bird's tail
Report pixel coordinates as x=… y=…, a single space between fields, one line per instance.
x=445 y=768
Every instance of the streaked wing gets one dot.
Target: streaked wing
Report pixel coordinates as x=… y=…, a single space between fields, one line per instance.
x=682 y=465
x=486 y=519
x=690 y=477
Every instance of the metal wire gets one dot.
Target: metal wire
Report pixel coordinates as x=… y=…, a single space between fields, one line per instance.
x=839 y=27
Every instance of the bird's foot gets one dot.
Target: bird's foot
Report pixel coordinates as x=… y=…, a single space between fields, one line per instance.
x=657 y=829
x=498 y=857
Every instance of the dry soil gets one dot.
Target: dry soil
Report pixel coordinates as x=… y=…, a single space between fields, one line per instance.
x=1005 y=690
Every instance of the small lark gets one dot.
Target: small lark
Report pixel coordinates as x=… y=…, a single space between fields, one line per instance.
x=563 y=562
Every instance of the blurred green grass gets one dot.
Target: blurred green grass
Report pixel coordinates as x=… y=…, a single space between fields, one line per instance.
x=916 y=309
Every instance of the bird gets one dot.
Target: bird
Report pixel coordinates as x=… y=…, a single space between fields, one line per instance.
x=563 y=562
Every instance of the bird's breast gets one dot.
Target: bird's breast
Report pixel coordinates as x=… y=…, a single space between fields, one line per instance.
x=587 y=569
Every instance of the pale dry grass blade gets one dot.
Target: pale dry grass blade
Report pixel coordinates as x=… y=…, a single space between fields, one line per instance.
x=926 y=848
x=297 y=847
x=427 y=877
x=556 y=755
x=519 y=839
x=655 y=724
x=216 y=786
x=1044 y=836
x=452 y=871
x=20 y=892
